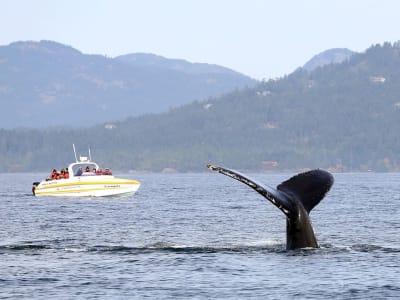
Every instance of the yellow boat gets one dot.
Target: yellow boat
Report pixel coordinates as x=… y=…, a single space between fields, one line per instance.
x=86 y=179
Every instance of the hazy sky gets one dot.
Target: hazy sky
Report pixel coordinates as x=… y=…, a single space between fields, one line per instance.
x=260 y=38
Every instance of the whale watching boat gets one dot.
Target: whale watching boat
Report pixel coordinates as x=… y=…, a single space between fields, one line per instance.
x=84 y=178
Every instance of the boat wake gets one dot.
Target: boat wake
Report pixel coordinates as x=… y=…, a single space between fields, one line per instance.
x=35 y=247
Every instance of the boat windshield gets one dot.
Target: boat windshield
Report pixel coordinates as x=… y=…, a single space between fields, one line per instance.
x=80 y=168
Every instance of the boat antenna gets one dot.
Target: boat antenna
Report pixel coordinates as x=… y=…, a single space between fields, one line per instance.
x=73 y=146
x=90 y=156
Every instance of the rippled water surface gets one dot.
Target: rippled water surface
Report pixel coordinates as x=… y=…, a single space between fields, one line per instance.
x=198 y=236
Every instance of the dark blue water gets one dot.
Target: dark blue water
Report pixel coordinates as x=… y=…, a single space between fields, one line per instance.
x=198 y=236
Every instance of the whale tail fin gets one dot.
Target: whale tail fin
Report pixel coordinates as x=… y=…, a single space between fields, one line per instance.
x=295 y=197
x=309 y=187
x=281 y=200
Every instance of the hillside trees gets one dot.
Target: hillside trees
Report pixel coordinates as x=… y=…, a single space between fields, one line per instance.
x=341 y=116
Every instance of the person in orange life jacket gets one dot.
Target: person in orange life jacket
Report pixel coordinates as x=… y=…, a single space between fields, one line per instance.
x=66 y=174
x=54 y=175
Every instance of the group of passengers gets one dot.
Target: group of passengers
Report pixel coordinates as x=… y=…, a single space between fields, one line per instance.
x=64 y=173
x=95 y=171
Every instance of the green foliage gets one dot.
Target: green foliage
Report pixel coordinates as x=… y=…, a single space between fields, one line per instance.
x=339 y=116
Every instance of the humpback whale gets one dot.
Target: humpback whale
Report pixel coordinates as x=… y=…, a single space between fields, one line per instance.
x=295 y=197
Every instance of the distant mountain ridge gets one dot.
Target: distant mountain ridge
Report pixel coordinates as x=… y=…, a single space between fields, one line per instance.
x=157 y=61
x=340 y=117
x=45 y=84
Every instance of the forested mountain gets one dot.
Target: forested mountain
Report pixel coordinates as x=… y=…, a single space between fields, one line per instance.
x=340 y=116
x=46 y=84
x=331 y=56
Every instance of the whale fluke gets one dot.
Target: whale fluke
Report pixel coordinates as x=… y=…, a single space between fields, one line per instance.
x=295 y=197
x=309 y=187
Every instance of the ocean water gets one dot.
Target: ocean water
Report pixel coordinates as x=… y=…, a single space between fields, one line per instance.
x=198 y=236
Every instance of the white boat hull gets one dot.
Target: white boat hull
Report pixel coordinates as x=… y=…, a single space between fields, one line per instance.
x=87 y=186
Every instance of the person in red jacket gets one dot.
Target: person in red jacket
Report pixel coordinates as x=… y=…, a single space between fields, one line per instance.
x=54 y=175
x=64 y=174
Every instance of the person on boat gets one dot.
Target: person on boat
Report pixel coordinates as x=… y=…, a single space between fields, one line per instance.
x=88 y=172
x=54 y=175
x=66 y=173
x=61 y=175
x=107 y=171
x=79 y=172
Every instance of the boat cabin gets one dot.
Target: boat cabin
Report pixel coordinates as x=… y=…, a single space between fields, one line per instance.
x=85 y=167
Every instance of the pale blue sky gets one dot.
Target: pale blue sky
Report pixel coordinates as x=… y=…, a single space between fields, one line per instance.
x=262 y=39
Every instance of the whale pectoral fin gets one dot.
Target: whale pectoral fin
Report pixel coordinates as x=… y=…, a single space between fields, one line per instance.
x=309 y=187
x=279 y=199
